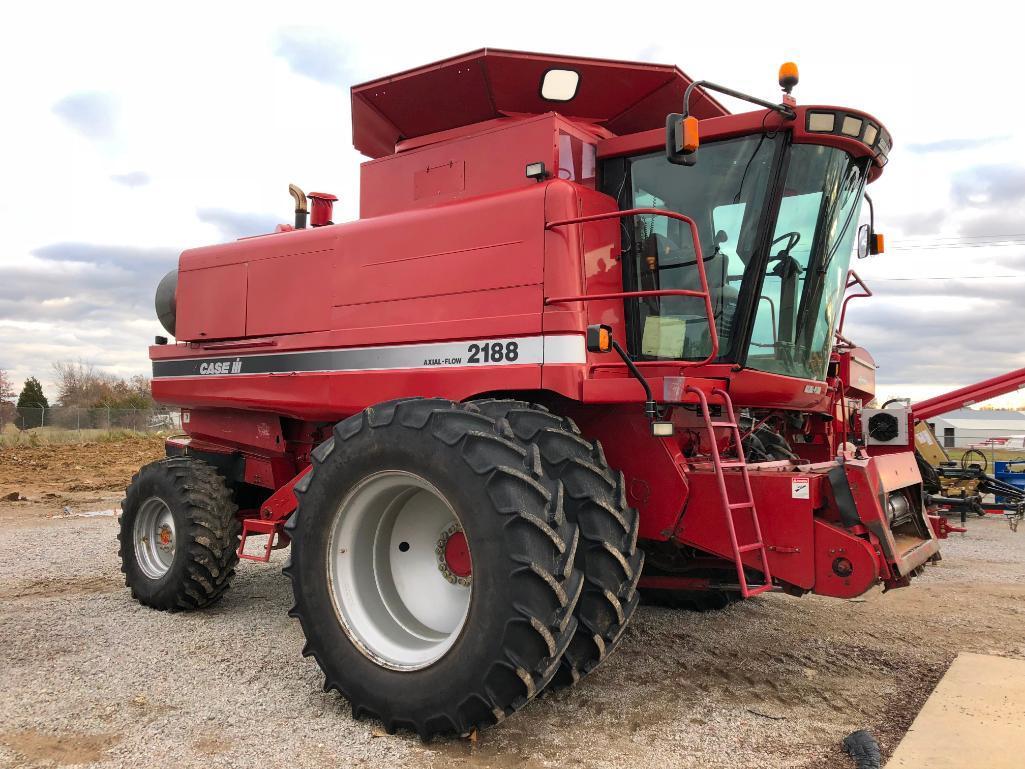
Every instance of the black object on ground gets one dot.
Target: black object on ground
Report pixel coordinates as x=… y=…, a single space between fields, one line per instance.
x=863 y=748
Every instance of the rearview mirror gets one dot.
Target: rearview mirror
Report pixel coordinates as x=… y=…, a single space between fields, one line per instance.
x=864 y=236
x=870 y=242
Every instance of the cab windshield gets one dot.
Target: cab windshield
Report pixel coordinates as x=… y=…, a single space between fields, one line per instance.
x=803 y=282
x=776 y=315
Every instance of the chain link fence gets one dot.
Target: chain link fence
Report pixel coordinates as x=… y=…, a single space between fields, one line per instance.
x=23 y=422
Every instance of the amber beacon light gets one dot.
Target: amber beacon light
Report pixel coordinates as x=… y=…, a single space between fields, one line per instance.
x=788 y=76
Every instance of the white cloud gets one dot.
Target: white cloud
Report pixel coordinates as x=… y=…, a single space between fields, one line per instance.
x=132 y=134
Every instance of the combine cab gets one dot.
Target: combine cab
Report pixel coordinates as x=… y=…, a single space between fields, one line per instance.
x=587 y=317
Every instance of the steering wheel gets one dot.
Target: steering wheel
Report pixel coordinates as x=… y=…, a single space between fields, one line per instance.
x=965 y=463
x=792 y=238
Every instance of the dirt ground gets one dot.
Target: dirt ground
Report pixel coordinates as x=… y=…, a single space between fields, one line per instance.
x=77 y=476
x=90 y=678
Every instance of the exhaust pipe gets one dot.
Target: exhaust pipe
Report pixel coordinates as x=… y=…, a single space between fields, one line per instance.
x=322 y=208
x=300 y=206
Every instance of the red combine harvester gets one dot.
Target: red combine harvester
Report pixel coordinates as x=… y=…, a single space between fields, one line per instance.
x=560 y=338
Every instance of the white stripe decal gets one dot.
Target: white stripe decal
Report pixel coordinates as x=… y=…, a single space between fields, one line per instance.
x=565 y=349
x=505 y=351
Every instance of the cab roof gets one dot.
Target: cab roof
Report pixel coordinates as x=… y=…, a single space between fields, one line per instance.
x=623 y=97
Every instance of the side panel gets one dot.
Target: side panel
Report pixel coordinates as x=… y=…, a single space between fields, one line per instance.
x=786 y=504
x=477 y=266
x=212 y=303
x=239 y=428
x=289 y=294
x=462 y=167
x=423 y=288
x=653 y=467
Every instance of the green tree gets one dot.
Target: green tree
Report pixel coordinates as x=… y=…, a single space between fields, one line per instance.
x=30 y=404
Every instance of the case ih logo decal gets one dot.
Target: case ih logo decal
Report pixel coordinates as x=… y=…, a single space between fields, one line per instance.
x=517 y=351
x=221 y=367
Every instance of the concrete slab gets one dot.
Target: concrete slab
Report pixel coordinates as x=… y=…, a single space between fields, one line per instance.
x=974 y=718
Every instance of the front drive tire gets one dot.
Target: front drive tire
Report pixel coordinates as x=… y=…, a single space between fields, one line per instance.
x=595 y=500
x=411 y=624
x=178 y=535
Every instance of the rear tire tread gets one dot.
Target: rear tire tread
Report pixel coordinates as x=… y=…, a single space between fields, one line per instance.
x=211 y=536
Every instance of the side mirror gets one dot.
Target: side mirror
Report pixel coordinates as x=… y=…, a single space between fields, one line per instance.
x=682 y=139
x=864 y=236
x=870 y=243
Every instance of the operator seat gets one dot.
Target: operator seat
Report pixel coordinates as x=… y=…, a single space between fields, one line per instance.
x=671 y=267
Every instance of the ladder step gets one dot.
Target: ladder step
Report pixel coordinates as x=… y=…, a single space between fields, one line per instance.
x=741 y=505
x=749 y=548
x=752 y=592
x=723 y=424
x=733 y=463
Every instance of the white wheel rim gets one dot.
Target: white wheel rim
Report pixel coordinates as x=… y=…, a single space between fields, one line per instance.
x=394 y=591
x=155 y=537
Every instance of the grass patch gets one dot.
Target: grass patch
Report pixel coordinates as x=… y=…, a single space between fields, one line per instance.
x=51 y=436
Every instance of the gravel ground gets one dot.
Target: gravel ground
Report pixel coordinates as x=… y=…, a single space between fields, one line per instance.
x=92 y=678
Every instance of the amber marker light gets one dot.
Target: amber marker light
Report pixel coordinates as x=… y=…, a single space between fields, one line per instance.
x=599 y=338
x=691 y=136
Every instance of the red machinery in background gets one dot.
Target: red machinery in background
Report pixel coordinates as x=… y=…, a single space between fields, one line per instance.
x=969 y=395
x=586 y=318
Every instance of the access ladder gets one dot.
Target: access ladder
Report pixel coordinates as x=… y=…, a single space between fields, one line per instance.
x=729 y=506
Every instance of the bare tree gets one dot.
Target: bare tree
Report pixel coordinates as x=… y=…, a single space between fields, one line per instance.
x=80 y=384
x=7 y=393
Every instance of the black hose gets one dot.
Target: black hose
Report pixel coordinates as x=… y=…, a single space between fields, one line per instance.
x=863 y=748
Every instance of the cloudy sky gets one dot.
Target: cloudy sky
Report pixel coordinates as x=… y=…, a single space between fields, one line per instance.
x=130 y=133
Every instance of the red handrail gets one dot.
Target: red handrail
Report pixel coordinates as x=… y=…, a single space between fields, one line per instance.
x=703 y=293
x=853 y=279
x=622 y=295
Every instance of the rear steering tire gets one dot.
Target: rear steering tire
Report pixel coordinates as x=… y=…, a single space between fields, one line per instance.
x=596 y=501
x=432 y=567
x=178 y=535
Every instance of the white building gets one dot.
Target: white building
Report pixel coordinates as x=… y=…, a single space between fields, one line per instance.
x=971 y=427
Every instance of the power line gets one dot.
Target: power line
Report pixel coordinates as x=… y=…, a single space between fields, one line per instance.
x=952 y=277
x=965 y=237
x=955 y=245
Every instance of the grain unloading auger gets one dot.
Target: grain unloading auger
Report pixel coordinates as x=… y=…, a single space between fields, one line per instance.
x=960 y=486
x=559 y=339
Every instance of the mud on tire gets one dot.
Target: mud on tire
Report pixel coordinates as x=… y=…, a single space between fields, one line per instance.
x=595 y=499
x=191 y=506
x=523 y=585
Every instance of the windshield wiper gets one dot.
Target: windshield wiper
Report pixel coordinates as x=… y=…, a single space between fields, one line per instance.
x=839 y=237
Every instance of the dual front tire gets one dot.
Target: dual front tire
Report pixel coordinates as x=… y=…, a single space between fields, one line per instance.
x=413 y=487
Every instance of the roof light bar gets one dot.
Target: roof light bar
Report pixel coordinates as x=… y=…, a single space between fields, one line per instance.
x=821 y=122
x=852 y=126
